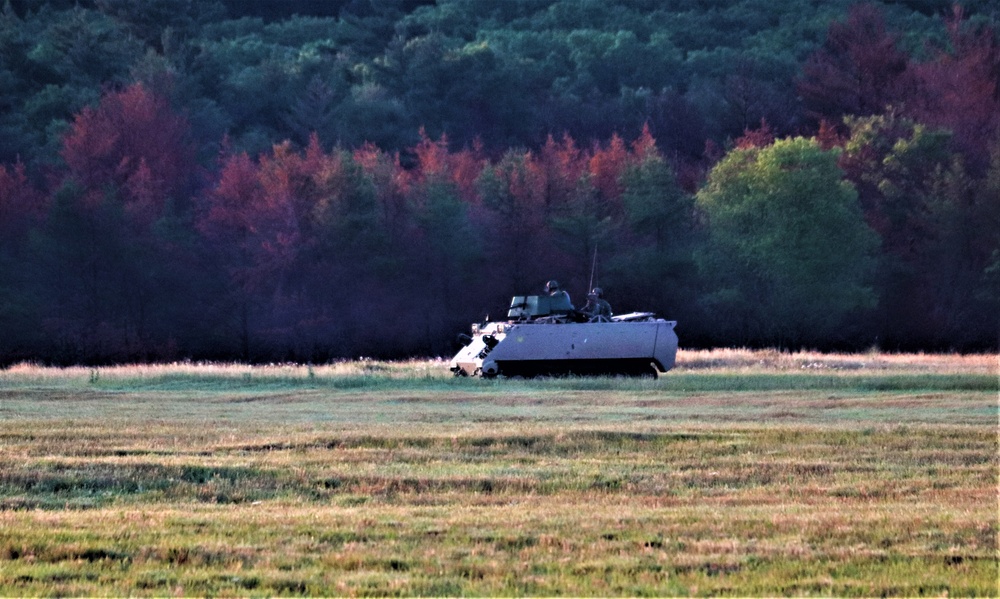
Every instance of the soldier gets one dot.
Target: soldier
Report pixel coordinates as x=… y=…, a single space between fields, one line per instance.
x=558 y=299
x=597 y=308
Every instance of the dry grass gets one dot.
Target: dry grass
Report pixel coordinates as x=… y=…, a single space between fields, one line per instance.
x=760 y=475
x=27 y=371
x=715 y=360
x=874 y=361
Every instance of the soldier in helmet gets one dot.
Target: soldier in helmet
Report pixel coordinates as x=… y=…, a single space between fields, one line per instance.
x=597 y=307
x=558 y=299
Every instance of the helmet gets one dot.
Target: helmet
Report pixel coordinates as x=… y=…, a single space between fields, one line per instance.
x=551 y=286
x=597 y=292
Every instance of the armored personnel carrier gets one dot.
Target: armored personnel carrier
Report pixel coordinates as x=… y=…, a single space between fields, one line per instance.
x=542 y=337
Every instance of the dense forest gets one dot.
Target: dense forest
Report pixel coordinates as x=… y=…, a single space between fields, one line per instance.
x=309 y=180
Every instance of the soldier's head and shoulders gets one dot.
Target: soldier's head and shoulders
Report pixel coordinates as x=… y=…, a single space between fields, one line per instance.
x=558 y=297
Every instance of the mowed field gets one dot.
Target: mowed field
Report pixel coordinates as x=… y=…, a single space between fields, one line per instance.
x=737 y=473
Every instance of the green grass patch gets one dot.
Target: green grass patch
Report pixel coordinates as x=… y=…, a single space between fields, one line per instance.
x=733 y=382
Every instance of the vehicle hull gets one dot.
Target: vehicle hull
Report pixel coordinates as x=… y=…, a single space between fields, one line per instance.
x=629 y=348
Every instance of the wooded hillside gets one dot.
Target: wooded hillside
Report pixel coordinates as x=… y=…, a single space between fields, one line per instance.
x=310 y=180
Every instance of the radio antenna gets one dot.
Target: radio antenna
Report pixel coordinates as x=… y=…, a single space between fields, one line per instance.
x=593 y=269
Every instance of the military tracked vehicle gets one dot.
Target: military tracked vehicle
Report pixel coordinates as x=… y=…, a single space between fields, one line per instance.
x=545 y=336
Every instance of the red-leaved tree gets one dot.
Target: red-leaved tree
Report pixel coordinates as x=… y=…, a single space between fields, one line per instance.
x=133 y=144
x=959 y=90
x=560 y=166
x=606 y=167
x=253 y=231
x=858 y=70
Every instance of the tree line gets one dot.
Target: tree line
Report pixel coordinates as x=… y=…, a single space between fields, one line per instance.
x=867 y=214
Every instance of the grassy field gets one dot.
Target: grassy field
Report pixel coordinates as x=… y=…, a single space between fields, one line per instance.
x=737 y=473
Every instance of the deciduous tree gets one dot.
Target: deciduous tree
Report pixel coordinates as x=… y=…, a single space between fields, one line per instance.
x=788 y=251
x=254 y=233
x=133 y=145
x=858 y=71
x=935 y=221
x=959 y=90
